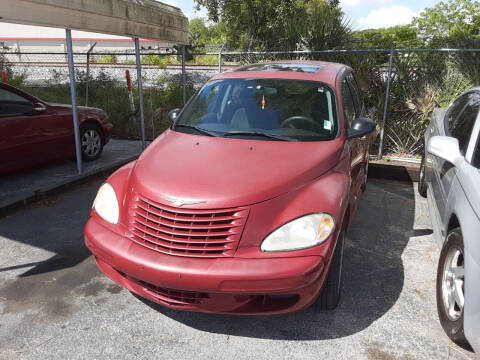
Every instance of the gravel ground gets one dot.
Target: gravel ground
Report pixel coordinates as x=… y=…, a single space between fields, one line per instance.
x=55 y=303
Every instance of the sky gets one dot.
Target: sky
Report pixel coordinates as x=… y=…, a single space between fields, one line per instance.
x=362 y=14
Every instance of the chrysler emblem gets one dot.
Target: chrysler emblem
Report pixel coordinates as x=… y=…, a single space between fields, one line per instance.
x=179 y=202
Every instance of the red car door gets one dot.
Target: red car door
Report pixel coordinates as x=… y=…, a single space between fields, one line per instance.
x=29 y=131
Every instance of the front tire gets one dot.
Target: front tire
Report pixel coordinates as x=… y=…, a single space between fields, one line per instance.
x=330 y=296
x=422 y=184
x=451 y=287
x=91 y=141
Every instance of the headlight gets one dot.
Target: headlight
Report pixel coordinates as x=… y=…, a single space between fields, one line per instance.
x=301 y=233
x=106 y=204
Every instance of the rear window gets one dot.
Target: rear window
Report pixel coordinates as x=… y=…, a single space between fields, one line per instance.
x=301 y=110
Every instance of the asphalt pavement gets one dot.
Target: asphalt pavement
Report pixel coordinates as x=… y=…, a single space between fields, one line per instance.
x=56 y=304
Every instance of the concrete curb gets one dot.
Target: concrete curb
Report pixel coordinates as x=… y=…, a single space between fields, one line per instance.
x=21 y=202
x=394 y=170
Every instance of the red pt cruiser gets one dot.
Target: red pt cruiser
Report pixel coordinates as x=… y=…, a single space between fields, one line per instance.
x=242 y=205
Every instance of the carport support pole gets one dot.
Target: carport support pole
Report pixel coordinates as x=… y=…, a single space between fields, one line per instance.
x=88 y=73
x=387 y=96
x=87 y=80
x=76 y=130
x=140 y=90
x=184 y=77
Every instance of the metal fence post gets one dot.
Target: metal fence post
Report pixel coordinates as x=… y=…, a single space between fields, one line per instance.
x=88 y=73
x=140 y=90
x=184 y=77
x=387 y=96
x=76 y=130
x=220 y=59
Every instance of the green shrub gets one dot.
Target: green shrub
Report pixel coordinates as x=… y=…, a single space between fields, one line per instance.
x=204 y=60
x=161 y=61
x=105 y=59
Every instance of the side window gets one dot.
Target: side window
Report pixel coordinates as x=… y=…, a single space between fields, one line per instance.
x=12 y=104
x=462 y=125
x=357 y=98
x=8 y=96
x=348 y=104
x=454 y=112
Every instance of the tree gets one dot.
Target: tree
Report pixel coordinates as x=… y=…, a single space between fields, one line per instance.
x=454 y=19
x=197 y=33
x=279 y=24
x=201 y=35
x=324 y=26
x=397 y=36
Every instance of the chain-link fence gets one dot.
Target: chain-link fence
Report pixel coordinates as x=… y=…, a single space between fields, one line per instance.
x=419 y=81
x=46 y=76
x=401 y=87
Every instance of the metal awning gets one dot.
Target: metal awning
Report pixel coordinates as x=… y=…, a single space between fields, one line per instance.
x=146 y=19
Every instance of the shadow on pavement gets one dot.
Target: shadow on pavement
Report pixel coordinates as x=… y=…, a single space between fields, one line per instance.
x=56 y=227
x=372 y=280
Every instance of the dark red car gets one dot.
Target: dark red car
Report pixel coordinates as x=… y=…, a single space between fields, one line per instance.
x=34 y=132
x=242 y=205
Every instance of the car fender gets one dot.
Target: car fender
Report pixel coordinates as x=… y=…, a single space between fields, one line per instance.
x=459 y=206
x=328 y=193
x=120 y=181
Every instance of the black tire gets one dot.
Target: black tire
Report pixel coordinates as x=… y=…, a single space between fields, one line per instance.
x=451 y=320
x=91 y=141
x=330 y=296
x=422 y=184
x=365 y=171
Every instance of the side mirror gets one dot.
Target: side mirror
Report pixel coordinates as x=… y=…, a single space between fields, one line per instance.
x=173 y=114
x=361 y=127
x=39 y=107
x=447 y=148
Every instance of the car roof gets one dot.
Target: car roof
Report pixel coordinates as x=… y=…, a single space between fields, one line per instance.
x=323 y=71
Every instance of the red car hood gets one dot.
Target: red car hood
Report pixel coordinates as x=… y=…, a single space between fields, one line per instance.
x=227 y=172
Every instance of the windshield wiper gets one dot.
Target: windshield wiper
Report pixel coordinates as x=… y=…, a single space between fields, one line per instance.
x=259 y=133
x=199 y=129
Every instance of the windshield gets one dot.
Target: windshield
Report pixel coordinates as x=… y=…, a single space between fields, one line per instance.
x=263 y=109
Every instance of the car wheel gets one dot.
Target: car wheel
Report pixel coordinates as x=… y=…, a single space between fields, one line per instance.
x=365 y=171
x=451 y=287
x=422 y=184
x=91 y=141
x=330 y=296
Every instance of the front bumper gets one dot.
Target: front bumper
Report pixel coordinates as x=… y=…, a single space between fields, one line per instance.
x=215 y=285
